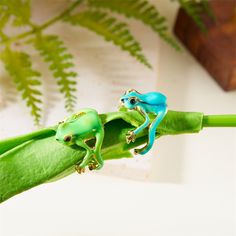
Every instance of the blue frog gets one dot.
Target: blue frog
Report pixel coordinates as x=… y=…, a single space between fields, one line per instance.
x=152 y=102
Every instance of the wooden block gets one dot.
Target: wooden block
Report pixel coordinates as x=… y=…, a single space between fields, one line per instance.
x=216 y=49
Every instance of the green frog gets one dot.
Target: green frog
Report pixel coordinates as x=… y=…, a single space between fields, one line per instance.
x=77 y=130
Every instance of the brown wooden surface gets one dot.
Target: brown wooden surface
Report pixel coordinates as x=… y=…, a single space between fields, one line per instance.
x=216 y=49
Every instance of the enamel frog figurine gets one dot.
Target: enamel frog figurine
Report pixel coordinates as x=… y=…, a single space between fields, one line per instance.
x=152 y=102
x=77 y=130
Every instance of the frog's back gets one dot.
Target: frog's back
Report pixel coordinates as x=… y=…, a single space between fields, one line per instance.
x=88 y=110
x=154 y=98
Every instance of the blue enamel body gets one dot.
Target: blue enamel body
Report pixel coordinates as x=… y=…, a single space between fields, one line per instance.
x=152 y=102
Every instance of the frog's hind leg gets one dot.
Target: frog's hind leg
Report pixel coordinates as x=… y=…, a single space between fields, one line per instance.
x=152 y=131
x=88 y=156
x=99 y=140
x=131 y=135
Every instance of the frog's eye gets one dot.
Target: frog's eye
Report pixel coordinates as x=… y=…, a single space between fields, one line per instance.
x=67 y=138
x=133 y=100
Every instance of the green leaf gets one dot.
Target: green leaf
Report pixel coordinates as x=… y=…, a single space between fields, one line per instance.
x=111 y=29
x=20 y=10
x=19 y=66
x=141 y=10
x=207 y=8
x=10 y=143
x=194 y=9
x=4 y=18
x=37 y=158
x=54 y=52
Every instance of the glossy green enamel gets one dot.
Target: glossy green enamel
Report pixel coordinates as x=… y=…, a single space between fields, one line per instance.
x=77 y=130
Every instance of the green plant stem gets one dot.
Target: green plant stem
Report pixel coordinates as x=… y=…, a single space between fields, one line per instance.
x=62 y=15
x=44 y=25
x=36 y=158
x=219 y=121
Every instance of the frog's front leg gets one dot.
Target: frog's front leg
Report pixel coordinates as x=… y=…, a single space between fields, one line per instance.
x=87 y=158
x=131 y=135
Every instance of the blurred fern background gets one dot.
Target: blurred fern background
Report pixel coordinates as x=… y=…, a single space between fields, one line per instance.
x=99 y=16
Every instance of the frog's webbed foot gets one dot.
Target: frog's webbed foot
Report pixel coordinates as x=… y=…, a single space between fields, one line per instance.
x=136 y=151
x=91 y=161
x=99 y=166
x=130 y=136
x=86 y=161
x=93 y=165
x=79 y=169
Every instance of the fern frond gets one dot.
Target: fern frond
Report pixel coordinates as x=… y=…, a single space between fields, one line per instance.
x=19 y=9
x=207 y=8
x=4 y=18
x=141 y=10
x=19 y=66
x=194 y=9
x=111 y=29
x=54 y=52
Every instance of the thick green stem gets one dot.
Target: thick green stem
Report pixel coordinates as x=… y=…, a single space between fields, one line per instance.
x=35 y=158
x=219 y=121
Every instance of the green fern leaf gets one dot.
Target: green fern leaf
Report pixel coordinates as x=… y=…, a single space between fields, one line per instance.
x=207 y=8
x=20 y=10
x=111 y=29
x=54 y=52
x=4 y=18
x=19 y=66
x=194 y=9
x=141 y=10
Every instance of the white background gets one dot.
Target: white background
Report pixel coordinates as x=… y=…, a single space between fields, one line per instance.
x=193 y=192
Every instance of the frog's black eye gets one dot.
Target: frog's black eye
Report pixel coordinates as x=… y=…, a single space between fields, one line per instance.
x=132 y=101
x=67 y=138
